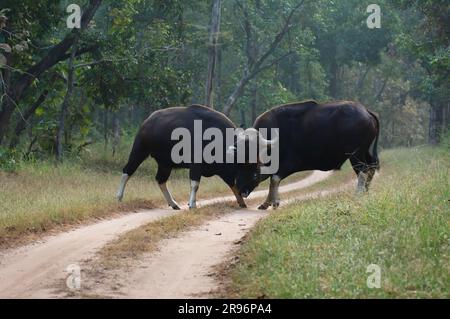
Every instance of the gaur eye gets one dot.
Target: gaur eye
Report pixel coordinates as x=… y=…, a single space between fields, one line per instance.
x=255 y=175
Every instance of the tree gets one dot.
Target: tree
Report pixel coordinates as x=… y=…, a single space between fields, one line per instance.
x=429 y=44
x=342 y=38
x=213 y=51
x=14 y=88
x=66 y=101
x=139 y=56
x=257 y=63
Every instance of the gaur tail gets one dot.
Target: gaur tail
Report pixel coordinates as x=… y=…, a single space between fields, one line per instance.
x=374 y=147
x=138 y=154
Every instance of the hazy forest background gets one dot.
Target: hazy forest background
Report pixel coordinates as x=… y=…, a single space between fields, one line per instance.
x=65 y=92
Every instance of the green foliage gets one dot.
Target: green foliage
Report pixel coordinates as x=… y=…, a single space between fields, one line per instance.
x=144 y=55
x=28 y=25
x=428 y=41
x=446 y=140
x=9 y=160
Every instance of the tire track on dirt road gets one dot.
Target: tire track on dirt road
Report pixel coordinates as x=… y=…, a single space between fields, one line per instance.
x=31 y=271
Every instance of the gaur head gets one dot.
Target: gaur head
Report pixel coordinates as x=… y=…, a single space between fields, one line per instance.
x=249 y=165
x=248 y=178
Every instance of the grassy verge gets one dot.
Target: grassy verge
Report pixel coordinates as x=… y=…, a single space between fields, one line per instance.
x=322 y=248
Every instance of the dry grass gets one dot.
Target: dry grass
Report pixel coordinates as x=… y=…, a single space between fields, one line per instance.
x=41 y=197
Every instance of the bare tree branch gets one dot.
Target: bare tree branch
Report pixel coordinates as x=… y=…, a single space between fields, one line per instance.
x=23 y=122
x=257 y=65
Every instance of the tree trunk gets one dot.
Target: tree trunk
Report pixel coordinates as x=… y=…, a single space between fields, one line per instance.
x=131 y=115
x=234 y=96
x=65 y=105
x=243 y=119
x=381 y=91
x=116 y=129
x=7 y=106
x=23 y=121
x=105 y=128
x=446 y=118
x=195 y=85
x=254 y=100
x=360 y=84
x=334 y=79
x=310 y=79
x=212 y=55
x=435 y=129
x=219 y=79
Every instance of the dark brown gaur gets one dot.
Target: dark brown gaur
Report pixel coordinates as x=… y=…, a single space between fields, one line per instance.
x=154 y=139
x=315 y=136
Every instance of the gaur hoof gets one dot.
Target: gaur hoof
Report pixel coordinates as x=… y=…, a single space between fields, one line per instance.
x=176 y=207
x=263 y=207
x=242 y=205
x=275 y=205
x=193 y=207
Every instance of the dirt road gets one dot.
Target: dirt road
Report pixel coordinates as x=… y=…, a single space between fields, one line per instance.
x=184 y=267
x=180 y=269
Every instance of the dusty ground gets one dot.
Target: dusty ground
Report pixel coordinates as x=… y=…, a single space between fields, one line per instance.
x=181 y=268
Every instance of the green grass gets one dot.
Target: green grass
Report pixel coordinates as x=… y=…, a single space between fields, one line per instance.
x=321 y=248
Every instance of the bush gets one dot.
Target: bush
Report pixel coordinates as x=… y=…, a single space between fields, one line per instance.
x=446 y=139
x=9 y=160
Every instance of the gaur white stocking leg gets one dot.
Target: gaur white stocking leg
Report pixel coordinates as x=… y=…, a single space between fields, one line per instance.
x=168 y=196
x=123 y=183
x=273 y=198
